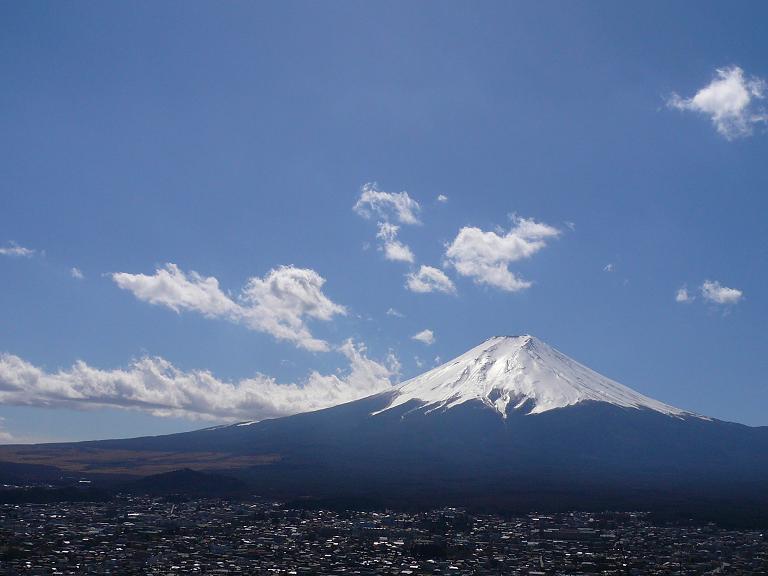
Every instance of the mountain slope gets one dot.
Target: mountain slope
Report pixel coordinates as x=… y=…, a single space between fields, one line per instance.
x=512 y=423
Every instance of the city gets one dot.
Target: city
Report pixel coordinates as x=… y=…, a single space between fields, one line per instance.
x=143 y=535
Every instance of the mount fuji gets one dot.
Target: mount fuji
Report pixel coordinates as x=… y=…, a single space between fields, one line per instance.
x=512 y=423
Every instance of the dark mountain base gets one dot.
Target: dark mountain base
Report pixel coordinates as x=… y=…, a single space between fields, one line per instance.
x=592 y=456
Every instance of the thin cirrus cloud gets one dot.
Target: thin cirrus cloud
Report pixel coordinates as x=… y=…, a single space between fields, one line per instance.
x=156 y=386
x=429 y=279
x=729 y=101
x=14 y=250
x=278 y=304
x=485 y=256
x=425 y=337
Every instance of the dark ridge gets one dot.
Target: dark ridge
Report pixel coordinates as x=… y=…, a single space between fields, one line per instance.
x=190 y=483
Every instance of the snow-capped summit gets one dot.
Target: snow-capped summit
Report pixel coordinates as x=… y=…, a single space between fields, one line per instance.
x=521 y=373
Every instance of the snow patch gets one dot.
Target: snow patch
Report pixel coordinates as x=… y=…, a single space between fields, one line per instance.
x=519 y=371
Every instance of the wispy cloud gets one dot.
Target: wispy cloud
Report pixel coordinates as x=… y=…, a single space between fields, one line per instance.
x=76 y=273
x=387 y=205
x=425 y=336
x=429 y=279
x=395 y=313
x=715 y=293
x=14 y=250
x=609 y=267
x=392 y=247
x=729 y=101
x=156 y=386
x=683 y=296
x=278 y=304
x=485 y=256
x=442 y=198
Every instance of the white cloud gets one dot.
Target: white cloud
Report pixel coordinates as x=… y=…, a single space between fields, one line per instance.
x=76 y=273
x=395 y=313
x=171 y=287
x=399 y=252
x=387 y=231
x=389 y=205
x=485 y=256
x=442 y=198
x=392 y=247
x=155 y=386
x=398 y=204
x=429 y=279
x=425 y=336
x=608 y=267
x=13 y=249
x=713 y=291
x=278 y=304
x=729 y=101
x=683 y=296
x=437 y=360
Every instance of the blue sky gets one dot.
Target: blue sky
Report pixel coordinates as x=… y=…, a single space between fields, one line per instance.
x=594 y=160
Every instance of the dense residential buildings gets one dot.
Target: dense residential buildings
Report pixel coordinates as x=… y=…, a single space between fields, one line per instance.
x=142 y=535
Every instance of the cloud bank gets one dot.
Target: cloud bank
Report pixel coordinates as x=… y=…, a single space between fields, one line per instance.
x=278 y=304
x=156 y=386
